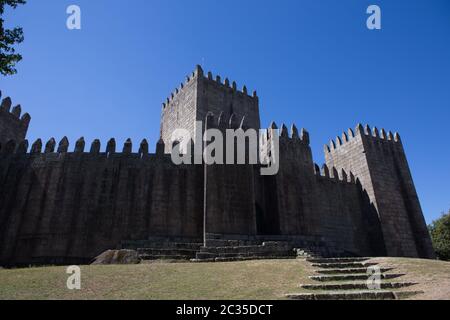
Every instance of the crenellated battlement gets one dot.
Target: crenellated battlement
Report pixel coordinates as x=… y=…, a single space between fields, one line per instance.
x=13 y=125
x=51 y=147
x=361 y=131
x=292 y=134
x=334 y=174
x=226 y=84
x=16 y=111
x=198 y=73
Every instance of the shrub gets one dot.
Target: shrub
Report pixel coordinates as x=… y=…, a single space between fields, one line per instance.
x=440 y=234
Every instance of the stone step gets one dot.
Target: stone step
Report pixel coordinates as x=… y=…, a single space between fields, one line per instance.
x=214 y=255
x=352 y=277
x=205 y=256
x=355 y=286
x=231 y=243
x=268 y=249
x=231 y=259
x=237 y=259
x=246 y=254
x=246 y=249
x=283 y=244
x=149 y=257
x=245 y=243
x=305 y=253
x=356 y=295
x=349 y=271
x=336 y=260
x=214 y=236
x=166 y=252
x=205 y=260
x=344 y=265
x=160 y=245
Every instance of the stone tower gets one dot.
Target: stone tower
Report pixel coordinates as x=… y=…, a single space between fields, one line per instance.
x=12 y=126
x=201 y=94
x=378 y=160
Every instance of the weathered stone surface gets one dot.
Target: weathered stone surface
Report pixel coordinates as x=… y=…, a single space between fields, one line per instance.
x=357 y=295
x=344 y=265
x=349 y=271
x=336 y=260
x=380 y=164
x=352 y=277
x=356 y=286
x=117 y=257
x=200 y=95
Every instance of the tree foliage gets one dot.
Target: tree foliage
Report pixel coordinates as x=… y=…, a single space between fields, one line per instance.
x=8 y=38
x=440 y=234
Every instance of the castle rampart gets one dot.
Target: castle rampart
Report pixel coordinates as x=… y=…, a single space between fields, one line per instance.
x=65 y=204
x=66 y=207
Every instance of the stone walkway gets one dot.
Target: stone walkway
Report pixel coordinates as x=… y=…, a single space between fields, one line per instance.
x=348 y=279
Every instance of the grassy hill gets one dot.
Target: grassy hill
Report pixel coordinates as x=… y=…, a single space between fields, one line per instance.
x=240 y=280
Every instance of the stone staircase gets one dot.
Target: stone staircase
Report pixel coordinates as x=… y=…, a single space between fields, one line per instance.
x=224 y=248
x=347 y=279
x=163 y=250
x=227 y=253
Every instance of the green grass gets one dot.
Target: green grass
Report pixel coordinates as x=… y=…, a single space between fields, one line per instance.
x=161 y=281
x=252 y=280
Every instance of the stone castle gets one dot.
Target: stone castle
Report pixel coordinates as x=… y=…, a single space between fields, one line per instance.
x=66 y=207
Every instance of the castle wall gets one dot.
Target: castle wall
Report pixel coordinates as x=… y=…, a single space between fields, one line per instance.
x=67 y=207
x=310 y=203
x=230 y=200
x=230 y=197
x=63 y=207
x=343 y=215
x=378 y=160
x=12 y=126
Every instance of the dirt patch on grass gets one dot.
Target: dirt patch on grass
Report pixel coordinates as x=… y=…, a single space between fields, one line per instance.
x=433 y=277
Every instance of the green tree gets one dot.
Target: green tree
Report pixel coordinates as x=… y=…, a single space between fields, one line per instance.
x=440 y=234
x=8 y=38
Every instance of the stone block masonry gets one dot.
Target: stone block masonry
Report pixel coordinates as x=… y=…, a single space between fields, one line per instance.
x=66 y=205
x=378 y=160
x=60 y=207
x=199 y=95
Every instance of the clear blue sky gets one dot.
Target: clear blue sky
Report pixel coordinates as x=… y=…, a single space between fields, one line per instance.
x=313 y=63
